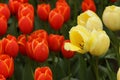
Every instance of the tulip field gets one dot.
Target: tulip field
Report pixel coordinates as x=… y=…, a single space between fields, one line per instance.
x=59 y=39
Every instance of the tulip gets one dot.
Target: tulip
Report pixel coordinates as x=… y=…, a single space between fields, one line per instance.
x=1 y=47
x=97 y=39
x=64 y=9
x=56 y=19
x=22 y=40
x=88 y=5
x=118 y=74
x=111 y=17
x=4 y=10
x=37 y=49
x=25 y=25
x=43 y=73
x=14 y=5
x=78 y=43
x=67 y=54
x=55 y=42
x=2 y=77
x=113 y=1
x=10 y=46
x=43 y=11
x=6 y=66
x=90 y=20
x=3 y=25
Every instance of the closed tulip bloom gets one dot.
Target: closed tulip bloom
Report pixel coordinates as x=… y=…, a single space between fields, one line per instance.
x=90 y=20
x=56 y=19
x=43 y=73
x=88 y=5
x=6 y=66
x=118 y=74
x=79 y=37
x=111 y=17
x=97 y=39
x=43 y=11
x=3 y=25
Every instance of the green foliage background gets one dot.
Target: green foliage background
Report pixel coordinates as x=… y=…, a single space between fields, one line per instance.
x=81 y=66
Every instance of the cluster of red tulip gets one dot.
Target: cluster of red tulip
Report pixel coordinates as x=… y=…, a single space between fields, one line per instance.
x=56 y=16
x=4 y=16
x=88 y=5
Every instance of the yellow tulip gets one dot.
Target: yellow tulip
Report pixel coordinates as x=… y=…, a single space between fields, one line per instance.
x=111 y=17
x=79 y=36
x=90 y=20
x=98 y=43
x=118 y=74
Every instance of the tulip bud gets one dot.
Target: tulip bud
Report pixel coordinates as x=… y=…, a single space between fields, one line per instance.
x=97 y=39
x=2 y=77
x=111 y=17
x=78 y=43
x=10 y=46
x=3 y=25
x=56 y=19
x=6 y=66
x=90 y=20
x=118 y=74
x=14 y=5
x=88 y=5
x=66 y=53
x=25 y=25
x=64 y=9
x=43 y=11
x=5 y=10
x=22 y=40
x=37 y=49
x=55 y=42
x=43 y=73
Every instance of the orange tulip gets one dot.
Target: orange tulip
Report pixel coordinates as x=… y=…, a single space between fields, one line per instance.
x=55 y=42
x=6 y=66
x=64 y=9
x=56 y=19
x=22 y=40
x=66 y=53
x=88 y=5
x=43 y=73
x=3 y=25
x=43 y=11
x=4 y=10
x=37 y=49
x=10 y=45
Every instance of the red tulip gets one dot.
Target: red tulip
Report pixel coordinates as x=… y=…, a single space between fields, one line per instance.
x=4 y=10
x=64 y=9
x=43 y=73
x=65 y=53
x=88 y=5
x=10 y=45
x=3 y=25
x=6 y=66
x=14 y=5
x=1 y=48
x=37 y=49
x=43 y=11
x=22 y=40
x=26 y=10
x=25 y=25
x=55 y=42
x=2 y=77
x=56 y=19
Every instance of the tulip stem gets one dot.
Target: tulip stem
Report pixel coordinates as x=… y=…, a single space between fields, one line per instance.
x=95 y=67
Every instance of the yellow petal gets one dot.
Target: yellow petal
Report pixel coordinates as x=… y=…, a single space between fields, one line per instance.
x=90 y=20
x=118 y=74
x=79 y=36
x=98 y=43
